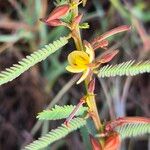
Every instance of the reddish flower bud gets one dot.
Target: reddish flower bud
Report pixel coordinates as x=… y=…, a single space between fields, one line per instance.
x=53 y=22
x=106 y=57
x=58 y=12
x=112 y=142
x=101 y=44
x=76 y=20
x=55 y=16
x=95 y=144
x=91 y=86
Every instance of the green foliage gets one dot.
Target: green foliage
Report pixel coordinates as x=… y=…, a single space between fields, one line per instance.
x=67 y=18
x=133 y=129
x=56 y=134
x=60 y=112
x=17 y=69
x=85 y=137
x=128 y=68
x=60 y=2
x=84 y=25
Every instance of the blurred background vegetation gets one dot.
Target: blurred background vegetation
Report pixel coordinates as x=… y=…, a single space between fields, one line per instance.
x=48 y=83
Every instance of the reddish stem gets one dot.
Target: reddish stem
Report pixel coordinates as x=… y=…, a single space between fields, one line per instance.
x=73 y=113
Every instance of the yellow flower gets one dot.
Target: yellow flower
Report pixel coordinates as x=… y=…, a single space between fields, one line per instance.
x=79 y=62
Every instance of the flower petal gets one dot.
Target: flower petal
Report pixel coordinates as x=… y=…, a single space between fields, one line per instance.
x=89 y=50
x=76 y=57
x=84 y=75
x=74 y=69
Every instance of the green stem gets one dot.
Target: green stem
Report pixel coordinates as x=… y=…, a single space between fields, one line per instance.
x=93 y=107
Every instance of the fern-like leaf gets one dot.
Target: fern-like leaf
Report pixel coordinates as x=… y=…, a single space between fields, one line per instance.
x=129 y=68
x=133 y=129
x=56 y=134
x=17 y=69
x=60 y=112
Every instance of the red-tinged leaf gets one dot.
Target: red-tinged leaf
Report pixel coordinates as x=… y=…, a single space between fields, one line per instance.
x=58 y=12
x=95 y=144
x=110 y=33
x=101 y=44
x=112 y=142
x=91 y=86
x=125 y=120
x=106 y=57
x=134 y=120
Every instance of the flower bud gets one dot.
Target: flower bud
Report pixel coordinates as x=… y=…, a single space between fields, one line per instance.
x=55 y=23
x=106 y=57
x=58 y=12
x=101 y=44
x=91 y=86
x=55 y=16
x=112 y=142
x=76 y=20
x=95 y=144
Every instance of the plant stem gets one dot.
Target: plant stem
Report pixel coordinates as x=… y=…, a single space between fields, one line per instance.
x=76 y=32
x=93 y=109
x=91 y=100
